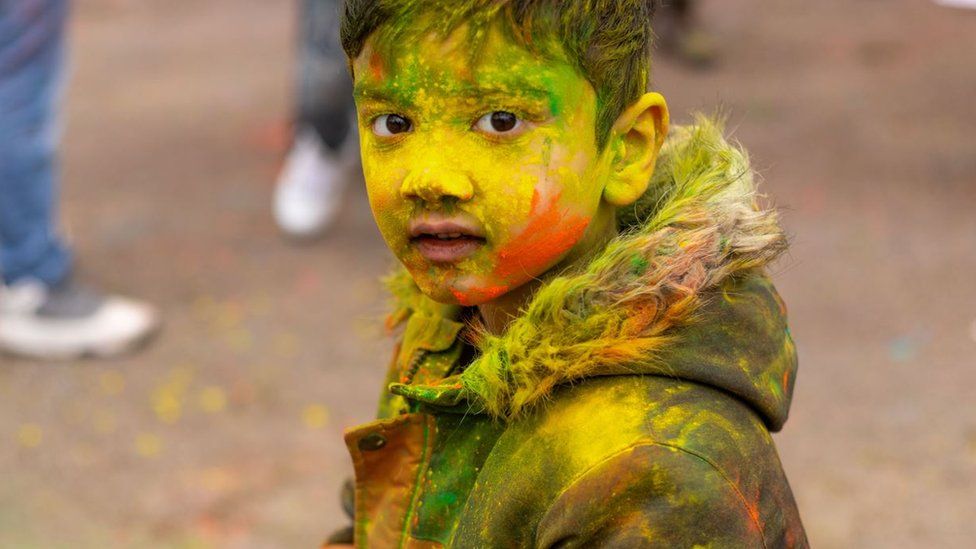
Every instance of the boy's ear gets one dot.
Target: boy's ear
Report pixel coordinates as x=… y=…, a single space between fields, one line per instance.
x=634 y=143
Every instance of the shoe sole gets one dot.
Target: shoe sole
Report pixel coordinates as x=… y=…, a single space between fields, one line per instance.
x=106 y=351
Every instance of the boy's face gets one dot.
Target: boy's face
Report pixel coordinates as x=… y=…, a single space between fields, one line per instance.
x=483 y=171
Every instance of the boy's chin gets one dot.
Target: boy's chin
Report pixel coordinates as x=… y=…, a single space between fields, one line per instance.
x=458 y=295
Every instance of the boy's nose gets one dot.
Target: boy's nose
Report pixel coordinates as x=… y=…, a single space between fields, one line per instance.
x=433 y=185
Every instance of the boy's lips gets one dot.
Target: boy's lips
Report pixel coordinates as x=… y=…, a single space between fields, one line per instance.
x=446 y=240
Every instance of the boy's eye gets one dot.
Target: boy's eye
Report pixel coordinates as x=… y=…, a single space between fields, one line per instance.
x=388 y=125
x=499 y=122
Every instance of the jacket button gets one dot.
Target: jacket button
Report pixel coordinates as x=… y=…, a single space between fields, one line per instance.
x=372 y=441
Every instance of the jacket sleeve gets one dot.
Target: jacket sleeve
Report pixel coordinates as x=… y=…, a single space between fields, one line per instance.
x=651 y=495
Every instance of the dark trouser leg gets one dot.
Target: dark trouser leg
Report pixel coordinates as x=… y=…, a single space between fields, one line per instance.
x=324 y=88
x=682 y=13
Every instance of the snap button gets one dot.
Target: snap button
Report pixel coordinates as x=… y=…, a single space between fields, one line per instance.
x=372 y=441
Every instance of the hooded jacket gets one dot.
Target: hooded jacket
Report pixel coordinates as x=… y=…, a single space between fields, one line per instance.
x=630 y=405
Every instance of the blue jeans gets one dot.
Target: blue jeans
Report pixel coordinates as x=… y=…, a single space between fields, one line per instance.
x=31 y=73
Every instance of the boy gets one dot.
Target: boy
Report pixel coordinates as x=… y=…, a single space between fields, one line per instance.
x=591 y=354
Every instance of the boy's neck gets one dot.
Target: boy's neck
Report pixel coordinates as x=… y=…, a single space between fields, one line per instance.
x=500 y=312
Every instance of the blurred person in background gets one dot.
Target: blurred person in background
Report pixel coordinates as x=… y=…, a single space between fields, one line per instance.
x=325 y=152
x=44 y=311
x=681 y=34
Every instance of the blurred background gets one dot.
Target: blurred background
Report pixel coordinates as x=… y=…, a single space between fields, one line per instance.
x=226 y=431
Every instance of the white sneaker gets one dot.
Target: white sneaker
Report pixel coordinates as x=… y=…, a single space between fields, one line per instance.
x=70 y=322
x=310 y=187
x=966 y=4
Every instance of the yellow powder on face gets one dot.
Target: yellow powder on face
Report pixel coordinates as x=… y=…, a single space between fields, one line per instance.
x=533 y=192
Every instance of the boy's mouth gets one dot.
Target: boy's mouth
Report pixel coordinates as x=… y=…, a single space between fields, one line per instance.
x=446 y=240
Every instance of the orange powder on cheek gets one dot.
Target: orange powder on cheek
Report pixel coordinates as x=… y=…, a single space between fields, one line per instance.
x=548 y=235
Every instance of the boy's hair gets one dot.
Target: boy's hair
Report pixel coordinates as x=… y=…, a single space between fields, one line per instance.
x=609 y=41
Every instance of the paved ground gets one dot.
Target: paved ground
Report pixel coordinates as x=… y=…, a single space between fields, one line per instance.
x=226 y=431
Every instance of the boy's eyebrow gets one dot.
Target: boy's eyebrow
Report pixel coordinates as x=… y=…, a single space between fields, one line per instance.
x=377 y=93
x=515 y=90
x=386 y=95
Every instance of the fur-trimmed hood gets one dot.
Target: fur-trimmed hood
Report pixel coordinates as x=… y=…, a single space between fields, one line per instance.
x=679 y=293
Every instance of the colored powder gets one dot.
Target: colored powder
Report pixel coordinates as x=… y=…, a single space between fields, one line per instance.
x=376 y=68
x=478 y=295
x=549 y=235
x=638 y=265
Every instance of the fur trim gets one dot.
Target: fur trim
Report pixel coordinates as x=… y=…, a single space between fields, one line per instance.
x=698 y=224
